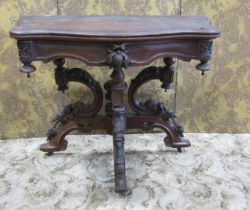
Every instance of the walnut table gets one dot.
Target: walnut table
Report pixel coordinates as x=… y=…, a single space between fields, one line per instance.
x=118 y=42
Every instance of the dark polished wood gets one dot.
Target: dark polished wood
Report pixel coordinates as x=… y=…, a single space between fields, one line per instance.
x=118 y=42
x=106 y=28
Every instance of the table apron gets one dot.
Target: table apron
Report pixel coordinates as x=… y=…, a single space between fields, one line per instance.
x=95 y=54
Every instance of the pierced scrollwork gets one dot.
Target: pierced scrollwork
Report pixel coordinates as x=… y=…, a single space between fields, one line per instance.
x=79 y=109
x=70 y=118
x=118 y=56
x=151 y=108
x=165 y=74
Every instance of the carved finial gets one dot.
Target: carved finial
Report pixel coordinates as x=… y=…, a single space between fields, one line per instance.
x=203 y=66
x=205 y=56
x=27 y=68
x=60 y=75
x=168 y=72
x=25 y=56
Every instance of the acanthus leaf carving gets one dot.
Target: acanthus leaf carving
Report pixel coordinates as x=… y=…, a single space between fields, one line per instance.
x=118 y=56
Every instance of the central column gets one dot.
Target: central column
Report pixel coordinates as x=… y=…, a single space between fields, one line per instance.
x=118 y=59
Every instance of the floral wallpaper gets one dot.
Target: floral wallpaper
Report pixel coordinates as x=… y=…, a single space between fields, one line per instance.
x=216 y=102
x=220 y=100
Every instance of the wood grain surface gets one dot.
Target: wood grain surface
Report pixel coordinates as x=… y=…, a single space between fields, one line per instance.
x=114 y=26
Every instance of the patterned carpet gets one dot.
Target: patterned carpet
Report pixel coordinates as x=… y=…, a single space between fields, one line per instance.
x=212 y=174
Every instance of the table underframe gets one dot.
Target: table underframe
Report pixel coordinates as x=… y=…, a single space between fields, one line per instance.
x=84 y=117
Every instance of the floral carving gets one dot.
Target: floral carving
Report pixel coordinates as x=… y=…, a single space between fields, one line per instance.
x=168 y=115
x=118 y=57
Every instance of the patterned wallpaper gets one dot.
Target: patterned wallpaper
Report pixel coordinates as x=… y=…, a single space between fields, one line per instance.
x=220 y=100
x=216 y=102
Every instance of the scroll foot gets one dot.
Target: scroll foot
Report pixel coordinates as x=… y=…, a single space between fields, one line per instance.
x=51 y=147
x=56 y=141
x=179 y=144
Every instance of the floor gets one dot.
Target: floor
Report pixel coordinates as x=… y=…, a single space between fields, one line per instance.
x=214 y=173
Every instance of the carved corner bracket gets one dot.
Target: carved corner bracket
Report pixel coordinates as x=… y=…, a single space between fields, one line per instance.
x=25 y=56
x=205 y=54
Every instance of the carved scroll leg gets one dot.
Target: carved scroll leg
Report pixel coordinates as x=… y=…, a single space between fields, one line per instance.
x=69 y=119
x=153 y=113
x=56 y=141
x=174 y=138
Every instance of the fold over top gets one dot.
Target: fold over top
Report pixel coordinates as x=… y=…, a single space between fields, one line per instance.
x=113 y=27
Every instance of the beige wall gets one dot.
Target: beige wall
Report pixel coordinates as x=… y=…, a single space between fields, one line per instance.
x=216 y=102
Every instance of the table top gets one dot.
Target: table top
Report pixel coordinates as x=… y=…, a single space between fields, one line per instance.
x=113 y=27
